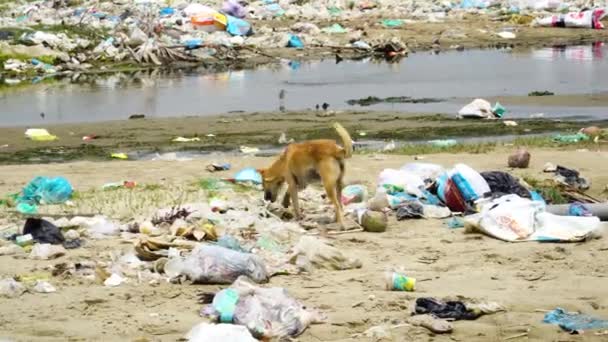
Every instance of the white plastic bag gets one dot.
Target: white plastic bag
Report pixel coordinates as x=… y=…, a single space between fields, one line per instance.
x=409 y=182
x=209 y=264
x=204 y=332
x=424 y=170
x=512 y=218
x=479 y=108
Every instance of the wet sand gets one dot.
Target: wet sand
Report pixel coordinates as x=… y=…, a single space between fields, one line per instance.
x=525 y=277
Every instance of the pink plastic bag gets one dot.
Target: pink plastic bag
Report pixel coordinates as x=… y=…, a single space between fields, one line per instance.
x=586 y=19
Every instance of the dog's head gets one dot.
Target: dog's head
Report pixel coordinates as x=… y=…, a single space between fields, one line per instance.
x=271 y=184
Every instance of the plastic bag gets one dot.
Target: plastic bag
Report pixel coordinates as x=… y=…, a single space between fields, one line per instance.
x=43 y=231
x=585 y=19
x=39 y=134
x=47 y=190
x=217 y=265
x=266 y=312
x=450 y=195
x=502 y=183
x=470 y=183
x=512 y=218
x=237 y=27
x=424 y=170
x=479 y=108
x=354 y=194
x=46 y=251
x=401 y=181
x=574 y=322
x=10 y=288
x=204 y=332
x=311 y=252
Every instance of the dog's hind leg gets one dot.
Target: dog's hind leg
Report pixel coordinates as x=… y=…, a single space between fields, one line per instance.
x=340 y=183
x=330 y=177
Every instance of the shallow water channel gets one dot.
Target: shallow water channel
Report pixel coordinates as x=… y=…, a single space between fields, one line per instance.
x=453 y=76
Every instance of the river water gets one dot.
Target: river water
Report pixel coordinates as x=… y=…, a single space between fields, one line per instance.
x=454 y=76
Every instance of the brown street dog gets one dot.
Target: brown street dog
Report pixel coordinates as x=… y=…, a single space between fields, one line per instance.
x=301 y=163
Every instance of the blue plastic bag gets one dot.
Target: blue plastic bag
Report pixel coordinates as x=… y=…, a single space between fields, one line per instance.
x=248 y=174
x=295 y=42
x=237 y=27
x=574 y=322
x=47 y=191
x=167 y=11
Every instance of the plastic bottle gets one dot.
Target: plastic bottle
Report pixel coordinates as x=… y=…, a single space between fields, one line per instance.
x=395 y=281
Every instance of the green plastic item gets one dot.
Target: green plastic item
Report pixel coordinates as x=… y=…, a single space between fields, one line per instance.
x=26 y=208
x=268 y=243
x=391 y=23
x=499 y=110
x=225 y=304
x=571 y=138
x=334 y=11
x=335 y=28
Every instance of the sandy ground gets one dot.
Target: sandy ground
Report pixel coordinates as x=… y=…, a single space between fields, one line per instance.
x=524 y=277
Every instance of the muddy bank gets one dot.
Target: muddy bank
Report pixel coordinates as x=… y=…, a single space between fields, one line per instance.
x=229 y=132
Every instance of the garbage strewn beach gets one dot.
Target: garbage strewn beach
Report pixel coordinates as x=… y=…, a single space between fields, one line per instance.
x=482 y=223
x=333 y=287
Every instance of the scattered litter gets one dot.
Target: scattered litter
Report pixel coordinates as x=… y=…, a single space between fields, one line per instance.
x=585 y=19
x=575 y=323
x=214 y=167
x=114 y=280
x=182 y=139
x=39 y=134
x=455 y=310
x=44 y=287
x=10 y=288
x=266 y=312
x=311 y=252
x=121 y=156
x=506 y=35
x=219 y=332
x=395 y=281
x=217 y=265
x=249 y=150
x=571 y=138
x=45 y=251
x=512 y=218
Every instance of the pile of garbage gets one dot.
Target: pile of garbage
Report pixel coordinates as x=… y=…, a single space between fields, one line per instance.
x=66 y=36
x=494 y=202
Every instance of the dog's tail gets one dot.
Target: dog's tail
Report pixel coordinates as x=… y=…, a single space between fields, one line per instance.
x=346 y=140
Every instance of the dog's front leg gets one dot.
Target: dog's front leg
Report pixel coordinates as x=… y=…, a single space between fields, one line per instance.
x=292 y=189
x=286 y=199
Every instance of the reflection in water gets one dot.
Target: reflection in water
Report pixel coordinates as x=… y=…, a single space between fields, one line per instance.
x=580 y=53
x=456 y=76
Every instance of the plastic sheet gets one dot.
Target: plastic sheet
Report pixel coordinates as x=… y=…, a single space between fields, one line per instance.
x=217 y=265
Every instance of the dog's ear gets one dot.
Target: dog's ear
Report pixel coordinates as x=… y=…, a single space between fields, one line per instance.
x=261 y=171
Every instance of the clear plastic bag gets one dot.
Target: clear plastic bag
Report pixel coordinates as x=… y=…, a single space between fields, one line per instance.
x=209 y=264
x=266 y=312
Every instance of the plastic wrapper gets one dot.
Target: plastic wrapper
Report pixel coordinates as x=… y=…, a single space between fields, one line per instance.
x=585 y=19
x=266 y=312
x=217 y=265
x=311 y=253
x=204 y=332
